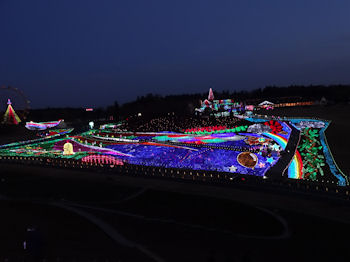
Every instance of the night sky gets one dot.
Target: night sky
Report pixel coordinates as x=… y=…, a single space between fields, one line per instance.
x=91 y=53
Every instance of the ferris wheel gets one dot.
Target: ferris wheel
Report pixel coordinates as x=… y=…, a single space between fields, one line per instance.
x=18 y=99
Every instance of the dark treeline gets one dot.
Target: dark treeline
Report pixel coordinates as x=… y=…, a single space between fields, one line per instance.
x=70 y=114
x=159 y=105
x=335 y=93
x=152 y=105
x=185 y=103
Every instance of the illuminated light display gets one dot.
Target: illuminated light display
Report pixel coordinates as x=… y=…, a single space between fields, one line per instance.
x=229 y=139
x=307 y=103
x=253 y=140
x=213 y=140
x=17 y=96
x=166 y=145
x=321 y=126
x=311 y=155
x=55 y=132
x=295 y=168
x=247 y=159
x=215 y=130
x=261 y=165
x=275 y=147
x=207 y=129
x=216 y=106
x=102 y=159
x=10 y=117
x=233 y=169
x=110 y=126
x=68 y=149
x=240 y=152
x=210 y=95
x=249 y=107
x=275 y=126
x=270 y=160
x=42 y=125
x=79 y=147
x=115 y=139
x=266 y=105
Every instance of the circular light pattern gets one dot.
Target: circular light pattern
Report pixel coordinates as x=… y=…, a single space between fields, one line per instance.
x=247 y=159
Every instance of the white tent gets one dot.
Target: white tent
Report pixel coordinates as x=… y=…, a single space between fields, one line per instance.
x=266 y=103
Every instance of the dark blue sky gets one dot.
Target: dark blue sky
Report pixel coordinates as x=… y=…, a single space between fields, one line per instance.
x=90 y=53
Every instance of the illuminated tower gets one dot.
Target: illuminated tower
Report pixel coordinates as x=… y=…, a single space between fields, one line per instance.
x=10 y=116
x=211 y=95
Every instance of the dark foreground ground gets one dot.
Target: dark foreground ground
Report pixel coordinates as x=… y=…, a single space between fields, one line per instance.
x=161 y=220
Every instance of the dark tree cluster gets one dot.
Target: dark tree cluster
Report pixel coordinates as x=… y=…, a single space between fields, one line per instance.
x=156 y=105
x=152 y=105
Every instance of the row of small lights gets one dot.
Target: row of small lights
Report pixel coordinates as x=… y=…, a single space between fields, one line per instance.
x=82 y=164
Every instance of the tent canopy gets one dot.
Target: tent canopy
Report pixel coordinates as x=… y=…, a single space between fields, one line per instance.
x=265 y=103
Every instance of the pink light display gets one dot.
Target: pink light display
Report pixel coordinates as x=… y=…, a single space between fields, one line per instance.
x=102 y=159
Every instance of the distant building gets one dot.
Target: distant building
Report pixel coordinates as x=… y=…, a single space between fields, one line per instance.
x=323 y=101
x=285 y=102
x=223 y=107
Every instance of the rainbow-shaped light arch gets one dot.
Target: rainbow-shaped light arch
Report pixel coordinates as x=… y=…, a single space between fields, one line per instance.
x=295 y=169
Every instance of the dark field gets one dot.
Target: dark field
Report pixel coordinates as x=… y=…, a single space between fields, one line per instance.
x=10 y=134
x=59 y=234
x=175 y=221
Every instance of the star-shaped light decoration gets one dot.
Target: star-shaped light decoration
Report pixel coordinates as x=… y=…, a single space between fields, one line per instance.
x=232 y=168
x=275 y=147
x=261 y=165
x=270 y=160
